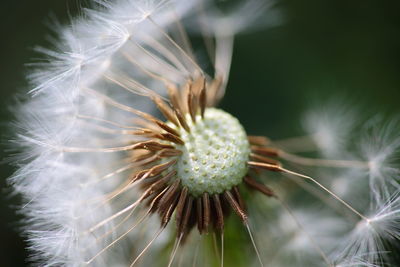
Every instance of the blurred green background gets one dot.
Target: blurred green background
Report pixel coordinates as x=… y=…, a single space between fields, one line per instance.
x=323 y=49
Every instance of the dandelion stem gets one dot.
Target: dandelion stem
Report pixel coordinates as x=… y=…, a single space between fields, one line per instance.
x=296 y=144
x=129 y=166
x=119 y=238
x=323 y=197
x=177 y=46
x=208 y=41
x=161 y=62
x=86 y=117
x=131 y=85
x=183 y=34
x=222 y=248
x=130 y=207
x=147 y=246
x=119 y=213
x=223 y=59
x=314 y=244
x=151 y=74
x=196 y=252
x=166 y=52
x=215 y=246
x=323 y=162
x=254 y=244
x=325 y=189
x=118 y=225
x=174 y=250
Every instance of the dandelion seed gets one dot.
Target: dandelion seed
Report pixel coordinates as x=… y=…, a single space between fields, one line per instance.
x=108 y=182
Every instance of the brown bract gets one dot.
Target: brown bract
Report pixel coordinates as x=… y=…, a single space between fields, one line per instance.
x=162 y=190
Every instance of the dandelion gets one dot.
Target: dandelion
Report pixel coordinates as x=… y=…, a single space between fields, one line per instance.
x=127 y=160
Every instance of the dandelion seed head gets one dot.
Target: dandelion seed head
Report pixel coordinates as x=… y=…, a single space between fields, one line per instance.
x=215 y=154
x=124 y=150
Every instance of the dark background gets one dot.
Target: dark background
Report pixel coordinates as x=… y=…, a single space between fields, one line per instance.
x=322 y=50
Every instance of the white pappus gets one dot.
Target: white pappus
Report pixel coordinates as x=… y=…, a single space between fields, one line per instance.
x=123 y=153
